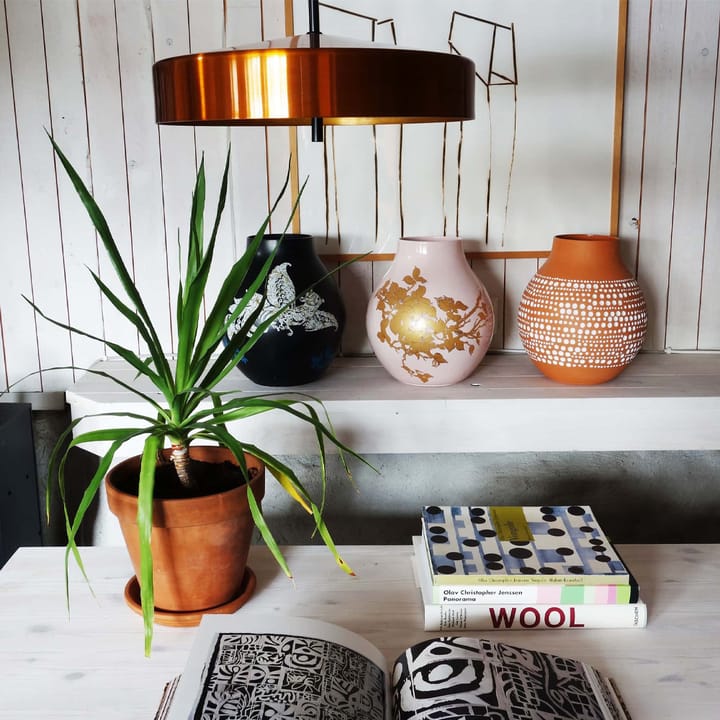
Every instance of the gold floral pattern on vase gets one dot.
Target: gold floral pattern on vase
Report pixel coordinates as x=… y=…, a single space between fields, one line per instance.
x=430 y=325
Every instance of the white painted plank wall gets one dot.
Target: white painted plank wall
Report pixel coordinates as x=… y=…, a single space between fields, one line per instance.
x=16 y=319
x=695 y=120
x=81 y=69
x=105 y=160
x=68 y=123
x=41 y=243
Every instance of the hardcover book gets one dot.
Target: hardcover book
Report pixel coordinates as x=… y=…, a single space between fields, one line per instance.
x=509 y=614
x=244 y=667
x=532 y=592
x=497 y=544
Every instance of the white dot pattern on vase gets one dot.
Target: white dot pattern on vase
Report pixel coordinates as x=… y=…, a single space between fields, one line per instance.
x=582 y=323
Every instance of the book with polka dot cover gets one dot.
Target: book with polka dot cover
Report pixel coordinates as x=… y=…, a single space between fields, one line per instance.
x=502 y=544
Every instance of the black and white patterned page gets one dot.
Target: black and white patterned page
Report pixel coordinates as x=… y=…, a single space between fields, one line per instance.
x=287 y=668
x=454 y=677
x=286 y=677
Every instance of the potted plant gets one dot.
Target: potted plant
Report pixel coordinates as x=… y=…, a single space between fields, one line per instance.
x=172 y=470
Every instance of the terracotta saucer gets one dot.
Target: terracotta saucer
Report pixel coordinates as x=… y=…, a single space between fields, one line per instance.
x=188 y=619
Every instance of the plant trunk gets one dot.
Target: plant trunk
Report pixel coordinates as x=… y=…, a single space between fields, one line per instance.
x=181 y=459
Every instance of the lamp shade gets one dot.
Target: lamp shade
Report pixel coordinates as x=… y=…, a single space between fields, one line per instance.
x=290 y=81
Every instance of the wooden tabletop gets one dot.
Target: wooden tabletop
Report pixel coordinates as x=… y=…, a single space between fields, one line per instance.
x=90 y=664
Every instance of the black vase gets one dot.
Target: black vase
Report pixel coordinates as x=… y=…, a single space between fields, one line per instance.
x=301 y=342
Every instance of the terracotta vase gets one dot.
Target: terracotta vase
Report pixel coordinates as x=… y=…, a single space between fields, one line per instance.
x=299 y=345
x=200 y=545
x=582 y=318
x=431 y=320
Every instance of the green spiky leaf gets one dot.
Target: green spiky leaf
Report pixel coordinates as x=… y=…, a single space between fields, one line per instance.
x=191 y=408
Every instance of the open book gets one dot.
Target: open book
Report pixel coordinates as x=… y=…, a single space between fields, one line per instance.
x=250 y=666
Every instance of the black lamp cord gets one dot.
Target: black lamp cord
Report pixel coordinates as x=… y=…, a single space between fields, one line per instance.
x=316 y=123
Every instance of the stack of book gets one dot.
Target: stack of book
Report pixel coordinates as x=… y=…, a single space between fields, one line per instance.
x=520 y=568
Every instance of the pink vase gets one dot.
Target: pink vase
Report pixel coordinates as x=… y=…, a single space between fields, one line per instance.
x=431 y=320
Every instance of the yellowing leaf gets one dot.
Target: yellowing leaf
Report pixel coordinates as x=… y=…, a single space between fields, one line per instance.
x=290 y=489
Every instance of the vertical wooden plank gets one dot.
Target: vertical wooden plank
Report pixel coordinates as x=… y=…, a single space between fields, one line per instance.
x=659 y=156
x=317 y=207
x=375 y=277
x=44 y=244
x=709 y=317
x=388 y=144
x=18 y=339
x=518 y=273
x=170 y=35
x=618 y=120
x=69 y=127
x=492 y=275
x=633 y=125
x=250 y=192
x=341 y=206
x=277 y=139
x=352 y=197
x=356 y=287
x=149 y=240
x=106 y=135
x=206 y=19
x=421 y=194
x=697 y=95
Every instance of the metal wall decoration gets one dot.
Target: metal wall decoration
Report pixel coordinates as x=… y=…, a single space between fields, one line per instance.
x=541 y=154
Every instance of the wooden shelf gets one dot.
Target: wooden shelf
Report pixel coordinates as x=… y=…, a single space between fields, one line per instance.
x=661 y=402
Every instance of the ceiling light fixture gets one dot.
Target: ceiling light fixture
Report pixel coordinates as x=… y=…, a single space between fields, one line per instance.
x=315 y=80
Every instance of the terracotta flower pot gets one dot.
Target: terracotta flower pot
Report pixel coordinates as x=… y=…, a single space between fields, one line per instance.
x=431 y=320
x=582 y=317
x=200 y=545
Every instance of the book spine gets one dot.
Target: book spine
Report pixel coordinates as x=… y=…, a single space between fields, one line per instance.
x=520 y=580
x=536 y=594
x=444 y=616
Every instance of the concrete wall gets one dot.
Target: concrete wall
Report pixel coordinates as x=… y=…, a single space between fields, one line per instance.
x=639 y=497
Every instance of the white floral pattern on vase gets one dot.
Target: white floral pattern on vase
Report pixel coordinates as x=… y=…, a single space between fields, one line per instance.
x=303 y=312
x=431 y=320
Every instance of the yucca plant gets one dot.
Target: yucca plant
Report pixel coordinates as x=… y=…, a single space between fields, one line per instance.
x=192 y=407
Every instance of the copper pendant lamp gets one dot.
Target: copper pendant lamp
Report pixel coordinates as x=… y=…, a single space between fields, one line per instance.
x=314 y=79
